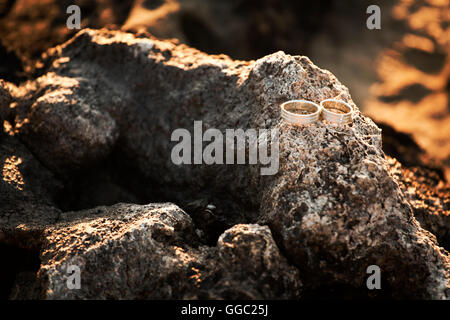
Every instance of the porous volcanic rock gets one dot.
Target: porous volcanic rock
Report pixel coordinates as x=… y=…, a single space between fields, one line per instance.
x=253 y=267
x=429 y=197
x=151 y=252
x=333 y=207
x=27 y=193
x=337 y=209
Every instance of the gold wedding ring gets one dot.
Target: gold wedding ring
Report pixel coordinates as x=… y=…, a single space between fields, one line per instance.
x=300 y=112
x=336 y=111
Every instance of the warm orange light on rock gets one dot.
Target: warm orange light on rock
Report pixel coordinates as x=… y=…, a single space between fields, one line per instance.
x=11 y=172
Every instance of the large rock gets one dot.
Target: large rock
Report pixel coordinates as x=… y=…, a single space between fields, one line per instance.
x=333 y=206
x=81 y=138
x=253 y=267
x=151 y=252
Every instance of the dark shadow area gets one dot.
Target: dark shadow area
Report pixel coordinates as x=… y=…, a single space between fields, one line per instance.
x=402 y=146
x=413 y=93
x=153 y=4
x=10 y=66
x=425 y=61
x=14 y=261
x=347 y=292
x=199 y=34
x=115 y=180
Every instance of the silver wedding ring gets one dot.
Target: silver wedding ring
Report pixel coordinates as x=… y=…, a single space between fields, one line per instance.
x=336 y=111
x=300 y=112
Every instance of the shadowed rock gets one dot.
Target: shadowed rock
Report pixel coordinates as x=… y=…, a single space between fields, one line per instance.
x=429 y=198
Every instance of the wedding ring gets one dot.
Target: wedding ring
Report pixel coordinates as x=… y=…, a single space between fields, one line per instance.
x=300 y=112
x=336 y=111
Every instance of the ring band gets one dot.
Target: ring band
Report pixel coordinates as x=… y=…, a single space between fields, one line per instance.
x=300 y=112
x=336 y=111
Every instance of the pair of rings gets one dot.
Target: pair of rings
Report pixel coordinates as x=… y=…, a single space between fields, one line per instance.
x=300 y=112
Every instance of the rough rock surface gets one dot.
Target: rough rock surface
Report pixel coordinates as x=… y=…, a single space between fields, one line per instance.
x=413 y=54
x=5 y=99
x=342 y=211
x=27 y=191
x=429 y=197
x=151 y=252
x=333 y=207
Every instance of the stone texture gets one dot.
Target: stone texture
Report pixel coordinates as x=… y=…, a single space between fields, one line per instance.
x=334 y=208
x=429 y=197
x=252 y=266
x=151 y=252
x=76 y=132
x=27 y=192
x=337 y=209
x=5 y=99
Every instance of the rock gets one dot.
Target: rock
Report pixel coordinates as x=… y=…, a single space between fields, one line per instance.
x=252 y=265
x=63 y=129
x=5 y=99
x=27 y=194
x=132 y=112
x=333 y=207
x=335 y=210
x=429 y=197
x=18 y=276
x=131 y=245
x=150 y=252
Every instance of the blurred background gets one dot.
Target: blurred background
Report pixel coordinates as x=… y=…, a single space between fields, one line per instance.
x=398 y=75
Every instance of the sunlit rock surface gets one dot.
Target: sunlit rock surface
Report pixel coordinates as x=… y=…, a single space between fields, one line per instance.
x=429 y=198
x=27 y=194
